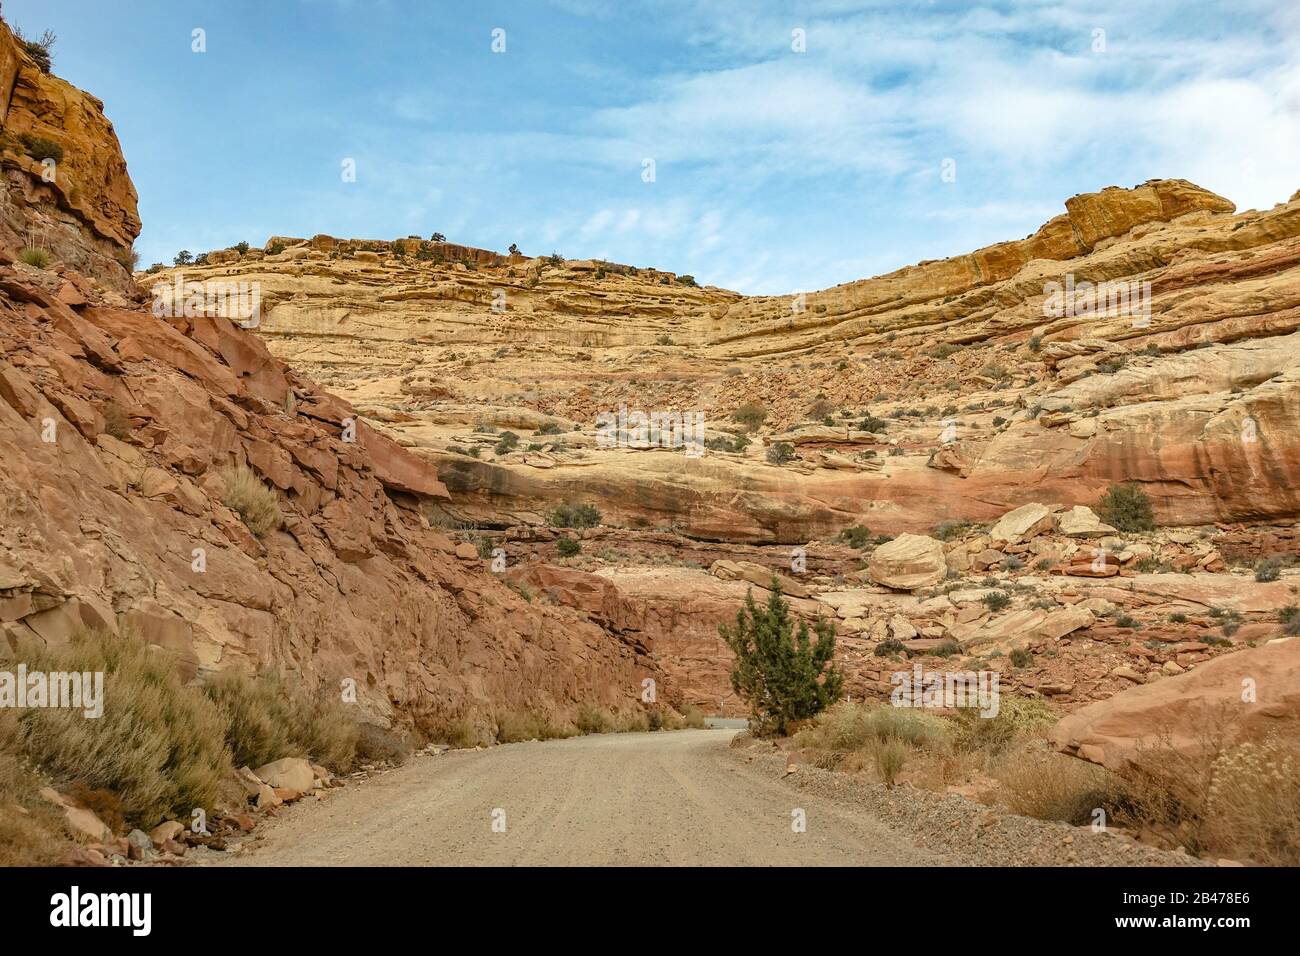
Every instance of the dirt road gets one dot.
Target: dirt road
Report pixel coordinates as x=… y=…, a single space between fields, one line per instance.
x=608 y=799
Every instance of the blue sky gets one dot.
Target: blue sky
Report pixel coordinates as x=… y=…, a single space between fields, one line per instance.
x=775 y=170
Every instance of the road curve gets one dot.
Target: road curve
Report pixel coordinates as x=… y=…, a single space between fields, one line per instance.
x=670 y=798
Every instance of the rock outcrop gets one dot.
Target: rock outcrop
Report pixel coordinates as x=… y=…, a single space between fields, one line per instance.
x=66 y=189
x=952 y=390
x=1249 y=694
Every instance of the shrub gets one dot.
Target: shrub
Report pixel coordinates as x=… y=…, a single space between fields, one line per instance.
x=574 y=516
x=947 y=648
x=664 y=339
x=1289 y=617
x=692 y=717
x=506 y=443
x=158 y=746
x=997 y=600
x=749 y=416
x=873 y=424
x=38 y=50
x=1127 y=508
x=377 y=744
x=275 y=248
x=890 y=645
x=857 y=536
x=1021 y=657
x=31 y=830
x=594 y=720
x=688 y=280
x=241 y=247
x=950 y=530
x=268 y=718
x=257 y=505
x=1016 y=717
x=39 y=148
x=555 y=259
x=784 y=675
x=734 y=444
x=943 y=351
x=568 y=547
x=516 y=726
x=550 y=428
x=1270 y=569
x=995 y=372
x=37 y=258
x=183 y=258
x=780 y=453
x=1035 y=343
x=1127 y=621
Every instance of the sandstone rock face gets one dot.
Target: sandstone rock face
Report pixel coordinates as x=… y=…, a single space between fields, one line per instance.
x=83 y=210
x=983 y=397
x=1183 y=708
x=908 y=562
x=114 y=426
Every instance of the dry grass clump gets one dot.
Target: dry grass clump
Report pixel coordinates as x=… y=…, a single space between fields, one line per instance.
x=514 y=726
x=594 y=720
x=257 y=505
x=158 y=746
x=267 y=718
x=377 y=744
x=457 y=732
x=1051 y=786
x=1017 y=718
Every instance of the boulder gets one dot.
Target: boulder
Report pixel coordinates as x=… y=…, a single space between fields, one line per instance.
x=1081 y=522
x=288 y=773
x=1184 y=706
x=908 y=562
x=1023 y=523
x=170 y=830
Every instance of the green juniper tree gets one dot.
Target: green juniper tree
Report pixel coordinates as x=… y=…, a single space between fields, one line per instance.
x=785 y=676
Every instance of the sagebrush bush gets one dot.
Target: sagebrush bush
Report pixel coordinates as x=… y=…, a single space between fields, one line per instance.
x=574 y=516
x=257 y=505
x=750 y=416
x=159 y=746
x=782 y=672
x=1270 y=569
x=268 y=717
x=780 y=453
x=515 y=726
x=1016 y=717
x=567 y=547
x=1126 y=508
